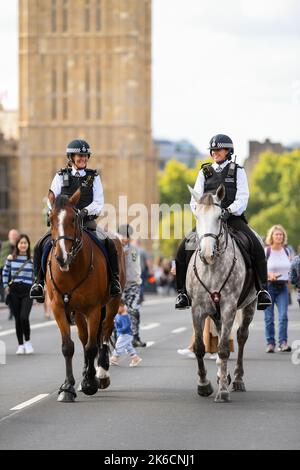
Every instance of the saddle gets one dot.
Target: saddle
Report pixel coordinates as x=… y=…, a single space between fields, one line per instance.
x=246 y=247
x=47 y=245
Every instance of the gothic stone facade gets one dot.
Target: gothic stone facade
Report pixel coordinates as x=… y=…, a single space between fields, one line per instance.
x=85 y=72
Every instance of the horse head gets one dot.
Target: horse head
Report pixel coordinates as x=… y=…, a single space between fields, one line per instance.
x=66 y=229
x=209 y=225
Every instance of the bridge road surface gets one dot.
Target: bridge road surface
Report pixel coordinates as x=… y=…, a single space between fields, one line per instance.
x=154 y=405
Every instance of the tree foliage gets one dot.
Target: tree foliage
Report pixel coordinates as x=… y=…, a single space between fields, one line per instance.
x=274 y=194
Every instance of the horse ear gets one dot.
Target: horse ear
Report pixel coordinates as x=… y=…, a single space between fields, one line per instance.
x=220 y=192
x=75 y=198
x=194 y=193
x=51 y=198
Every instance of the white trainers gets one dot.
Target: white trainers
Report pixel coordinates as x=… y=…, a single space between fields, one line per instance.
x=135 y=360
x=28 y=347
x=186 y=352
x=213 y=356
x=21 y=349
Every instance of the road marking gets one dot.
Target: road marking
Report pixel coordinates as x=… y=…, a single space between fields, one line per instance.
x=150 y=343
x=168 y=300
x=37 y=326
x=179 y=330
x=150 y=326
x=30 y=402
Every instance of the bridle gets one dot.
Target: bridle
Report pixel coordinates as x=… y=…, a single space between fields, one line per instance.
x=77 y=241
x=222 y=231
x=216 y=295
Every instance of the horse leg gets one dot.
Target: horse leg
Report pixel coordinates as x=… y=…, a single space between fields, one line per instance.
x=106 y=331
x=66 y=392
x=204 y=388
x=223 y=353
x=242 y=336
x=83 y=336
x=90 y=383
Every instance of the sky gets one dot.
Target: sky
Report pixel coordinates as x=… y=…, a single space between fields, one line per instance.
x=218 y=67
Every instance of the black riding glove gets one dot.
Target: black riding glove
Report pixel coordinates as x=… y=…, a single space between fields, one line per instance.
x=225 y=215
x=83 y=213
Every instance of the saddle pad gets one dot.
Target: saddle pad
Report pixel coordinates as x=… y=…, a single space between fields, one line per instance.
x=245 y=245
x=48 y=245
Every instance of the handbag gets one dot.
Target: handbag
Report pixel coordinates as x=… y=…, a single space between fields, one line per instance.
x=8 y=295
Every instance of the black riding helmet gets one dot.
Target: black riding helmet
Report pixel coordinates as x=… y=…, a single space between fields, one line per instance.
x=79 y=147
x=221 y=141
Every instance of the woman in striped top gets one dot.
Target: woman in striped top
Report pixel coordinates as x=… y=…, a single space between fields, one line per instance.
x=19 y=269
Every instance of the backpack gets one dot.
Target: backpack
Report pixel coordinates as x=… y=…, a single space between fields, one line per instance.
x=287 y=252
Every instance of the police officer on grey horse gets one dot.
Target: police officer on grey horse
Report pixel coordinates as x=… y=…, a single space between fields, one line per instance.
x=66 y=182
x=224 y=171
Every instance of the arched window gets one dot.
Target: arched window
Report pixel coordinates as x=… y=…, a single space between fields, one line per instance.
x=98 y=15
x=65 y=16
x=53 y=16
x=87 y=16
x=53 y=94
x=87 y=93
x=98 y=93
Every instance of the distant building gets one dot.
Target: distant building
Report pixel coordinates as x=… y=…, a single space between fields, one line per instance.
x=8 y=185
x=256 y=148
x=9 y=124
x=181 y=150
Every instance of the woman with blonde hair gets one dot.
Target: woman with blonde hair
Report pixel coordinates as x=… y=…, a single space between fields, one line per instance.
x=279 y=263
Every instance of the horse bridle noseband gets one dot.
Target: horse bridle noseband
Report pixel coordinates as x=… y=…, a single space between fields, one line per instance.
x=77 y=239
x=223 y=229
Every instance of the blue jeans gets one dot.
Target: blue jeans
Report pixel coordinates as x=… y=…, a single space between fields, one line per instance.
x=280 y=297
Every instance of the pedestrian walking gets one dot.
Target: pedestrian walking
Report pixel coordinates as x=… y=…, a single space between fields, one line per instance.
x=294 y=275
x=7 y=247
x=279 y=264
x=124 y=339
x=131 y=292
x=17 y=280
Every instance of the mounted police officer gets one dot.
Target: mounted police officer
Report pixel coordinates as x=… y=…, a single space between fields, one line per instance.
x=234 y=178
x=67 y=181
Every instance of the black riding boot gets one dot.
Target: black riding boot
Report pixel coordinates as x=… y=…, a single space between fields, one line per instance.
x=182 y=300
x=263 y=297
x=37 y=290
x=115 y=286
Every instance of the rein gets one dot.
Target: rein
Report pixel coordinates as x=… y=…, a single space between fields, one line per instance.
x=216 y=295
x=77 y=240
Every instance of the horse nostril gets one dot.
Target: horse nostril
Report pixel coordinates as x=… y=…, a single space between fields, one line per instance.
x=60 y=260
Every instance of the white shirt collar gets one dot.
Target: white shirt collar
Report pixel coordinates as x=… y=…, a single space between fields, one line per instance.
x=81 y=172
x=216 y=166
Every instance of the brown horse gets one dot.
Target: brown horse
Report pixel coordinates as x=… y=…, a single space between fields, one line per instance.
x=77 y=282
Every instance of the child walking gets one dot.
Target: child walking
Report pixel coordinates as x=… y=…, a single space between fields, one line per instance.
x=124 y=339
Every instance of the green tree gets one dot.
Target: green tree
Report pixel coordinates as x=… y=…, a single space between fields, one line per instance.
x=275 y=195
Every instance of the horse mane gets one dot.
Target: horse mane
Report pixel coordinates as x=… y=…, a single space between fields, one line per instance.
x=207 y=199
x=61 y=201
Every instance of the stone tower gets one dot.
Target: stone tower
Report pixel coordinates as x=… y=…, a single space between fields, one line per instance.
x=85 y=72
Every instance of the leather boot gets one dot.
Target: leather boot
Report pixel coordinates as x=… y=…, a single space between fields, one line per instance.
x=182 y=301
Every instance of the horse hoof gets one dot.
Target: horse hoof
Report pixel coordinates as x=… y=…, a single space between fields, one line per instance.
x=205 y=390
x=104 y=383
x=66 y=397
x=222 y=397
x=91 y=387
x=238 y=387
x=79 y=388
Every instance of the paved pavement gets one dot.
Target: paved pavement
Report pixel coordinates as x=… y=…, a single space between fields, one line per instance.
x=154 y=405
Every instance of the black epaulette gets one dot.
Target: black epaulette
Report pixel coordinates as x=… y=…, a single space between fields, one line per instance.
x=207 y=170
x=64 y=170
x=93 y=173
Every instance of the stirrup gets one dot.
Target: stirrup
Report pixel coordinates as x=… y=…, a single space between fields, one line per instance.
x=182 y=301
x=41 y=295
x=266 y=303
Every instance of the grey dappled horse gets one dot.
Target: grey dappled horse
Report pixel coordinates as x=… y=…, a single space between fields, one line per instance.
x=215 y=280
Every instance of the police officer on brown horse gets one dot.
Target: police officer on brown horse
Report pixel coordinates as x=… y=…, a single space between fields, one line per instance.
x=90 y=204
x=234 y=178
